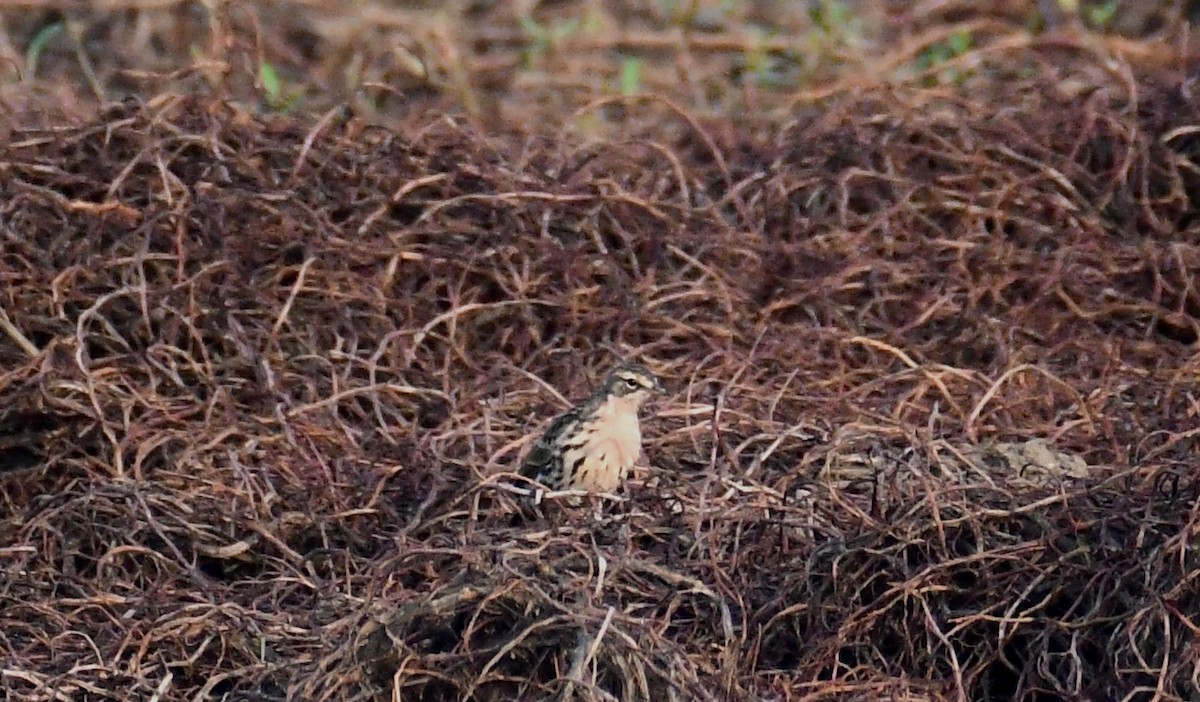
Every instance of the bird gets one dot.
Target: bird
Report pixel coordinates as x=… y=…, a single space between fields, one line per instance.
x=592 y=446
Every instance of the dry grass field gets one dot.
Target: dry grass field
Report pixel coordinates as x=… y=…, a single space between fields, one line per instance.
x=287 y=287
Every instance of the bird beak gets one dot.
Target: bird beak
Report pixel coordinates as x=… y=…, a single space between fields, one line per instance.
x=659 y=389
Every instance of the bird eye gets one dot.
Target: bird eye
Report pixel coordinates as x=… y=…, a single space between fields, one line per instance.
x=632 y=383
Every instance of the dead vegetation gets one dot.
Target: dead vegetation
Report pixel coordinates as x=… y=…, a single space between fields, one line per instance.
x=930 y=435
x=580 y=64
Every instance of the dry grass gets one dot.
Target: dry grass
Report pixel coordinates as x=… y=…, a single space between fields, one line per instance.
x=263 y=379
x=580 y=64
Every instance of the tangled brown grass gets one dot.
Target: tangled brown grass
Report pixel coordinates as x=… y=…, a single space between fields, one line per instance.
x=262 y=382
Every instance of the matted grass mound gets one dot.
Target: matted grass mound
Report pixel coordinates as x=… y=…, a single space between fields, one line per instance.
x=262 y=382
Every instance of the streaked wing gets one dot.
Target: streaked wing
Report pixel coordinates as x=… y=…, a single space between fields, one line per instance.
x=545 y=458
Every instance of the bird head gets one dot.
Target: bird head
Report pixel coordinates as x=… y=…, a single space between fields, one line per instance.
x=633 y=383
